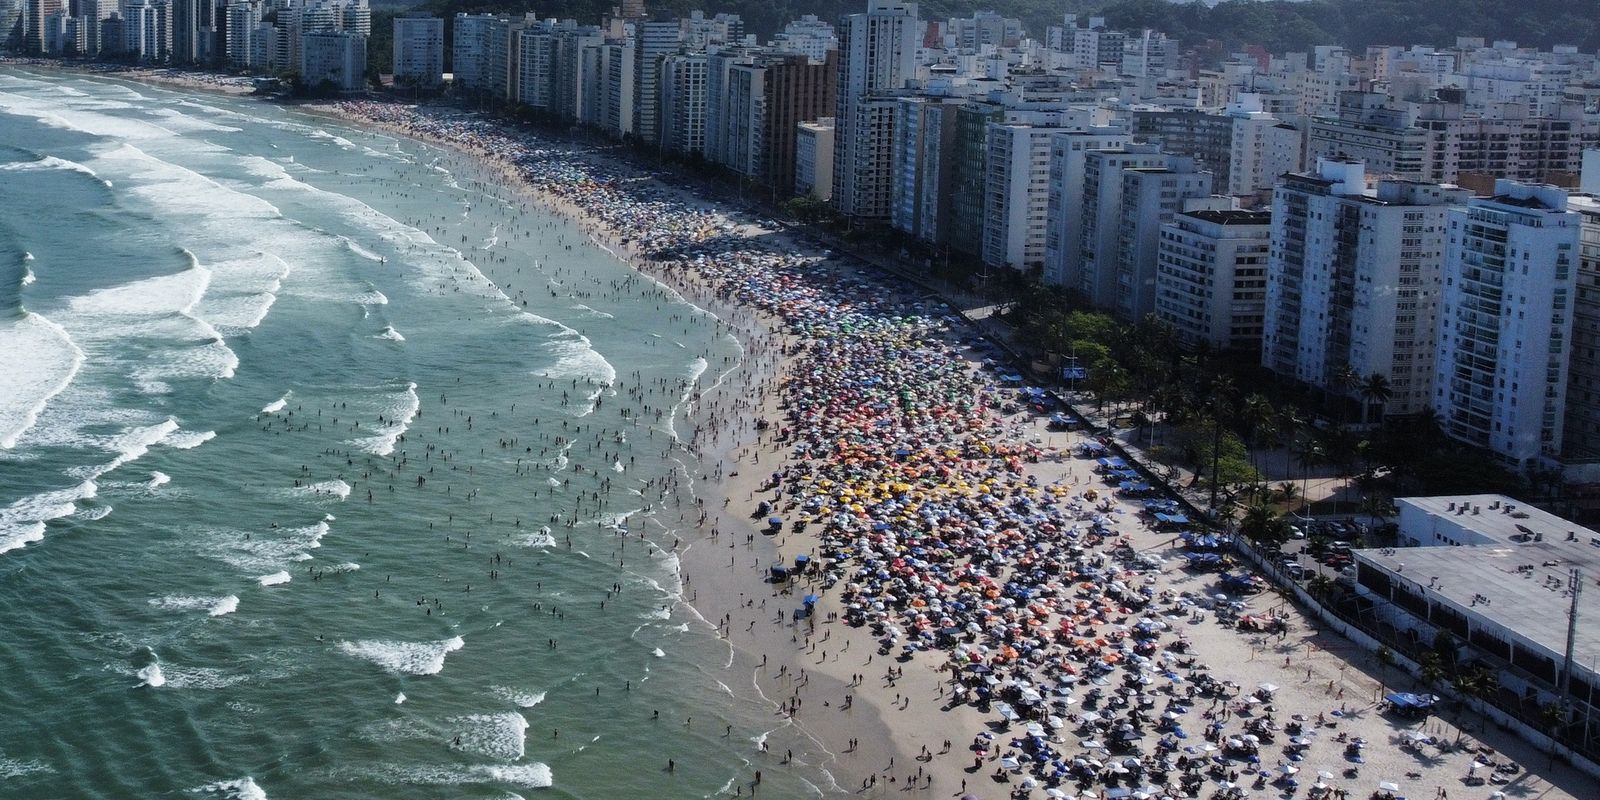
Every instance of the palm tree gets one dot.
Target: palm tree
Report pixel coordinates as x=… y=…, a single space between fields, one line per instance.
x=1375 y=390
x=1431 y=668
x=1345 y=378
x=1262 y=527
x=1288 y=491
x=1320 y=586
x=1307 y=453
x=1259 y=416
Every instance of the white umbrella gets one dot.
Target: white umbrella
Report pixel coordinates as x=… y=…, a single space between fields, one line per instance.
x=1324 y=774
x=1388 y=786
x=1009 y=763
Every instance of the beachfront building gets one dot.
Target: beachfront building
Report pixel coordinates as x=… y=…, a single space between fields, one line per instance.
x=764 y=98
x=1496 y=575
x=1151 y=196
x=35 y=38
x=535 y=66
x=813 y=159
x=718 y=64
x=653 y=41
x=618 y=100
x=1101 y=224
x=334 y=58
x=469 y=51
x=184 y=16
x=1211 y=277
x=1581 y=430
x=1505 y=323
x=243 y=18
x=877 y=52
x=1353 y=283
x=143 y=26
x=1017 y=192
x=683 y=103
x=418 y=51
x=923 y=143
x=1063 y=251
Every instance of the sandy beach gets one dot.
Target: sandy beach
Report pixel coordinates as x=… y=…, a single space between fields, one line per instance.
x=990 y=711
x=975 y=605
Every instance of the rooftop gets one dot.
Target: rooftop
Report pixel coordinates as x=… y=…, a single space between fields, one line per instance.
x=1232 y=217
x=1522 y=571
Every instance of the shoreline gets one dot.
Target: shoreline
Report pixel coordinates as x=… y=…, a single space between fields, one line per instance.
x=866 y=723
x=768 y=363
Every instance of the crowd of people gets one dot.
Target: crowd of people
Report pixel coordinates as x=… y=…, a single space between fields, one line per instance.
x=1048 y=603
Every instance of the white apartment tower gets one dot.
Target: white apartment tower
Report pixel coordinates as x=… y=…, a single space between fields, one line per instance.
x=418 y=51
x=878 y=52
x=1063 y=252
x=1101 y=219
x=1506 y=321
x=1353 y=282
x=1017 y=183
x=1151 y=196
x=469 y=51
x=1211 y=277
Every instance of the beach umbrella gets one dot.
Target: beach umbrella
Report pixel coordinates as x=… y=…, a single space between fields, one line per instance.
x=1388 y=786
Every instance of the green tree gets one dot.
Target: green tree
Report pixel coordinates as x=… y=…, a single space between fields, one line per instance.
x=1262 y=527
x=1375 y=391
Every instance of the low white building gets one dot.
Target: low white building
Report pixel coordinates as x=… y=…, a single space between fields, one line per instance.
x=1496 y=575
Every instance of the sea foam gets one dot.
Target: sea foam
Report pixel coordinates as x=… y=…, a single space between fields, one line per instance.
x=38 y=360
x=401 y=411
x=404 y=658
x=241 y=789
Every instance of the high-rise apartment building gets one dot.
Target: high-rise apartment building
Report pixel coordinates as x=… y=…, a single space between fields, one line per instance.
x=469 y=51
x=654 y=40
x=1063 y=250
x=1101 y=226
x=1354 y=280
x=335 y=58
x=1151 y=196
x=1506 y=319
x=1211 y=277
x=1581 y=429
x=418 y=50
x=877 y=52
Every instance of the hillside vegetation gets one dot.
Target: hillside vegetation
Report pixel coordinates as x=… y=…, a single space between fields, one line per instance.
x=1278 y=25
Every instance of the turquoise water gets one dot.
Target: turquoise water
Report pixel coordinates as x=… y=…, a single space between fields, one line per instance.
x=232 y=339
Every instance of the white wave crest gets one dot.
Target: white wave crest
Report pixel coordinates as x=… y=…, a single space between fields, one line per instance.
x=275 y=579
x=398 y=417
x=240 y=789
x=404 y=658
x=38 y=360
x=502 y=736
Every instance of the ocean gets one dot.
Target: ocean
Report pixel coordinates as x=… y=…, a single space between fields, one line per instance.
x=320 y=459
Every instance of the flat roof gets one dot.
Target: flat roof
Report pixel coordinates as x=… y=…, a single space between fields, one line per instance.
x=1231 y=217
x=1523 y=580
